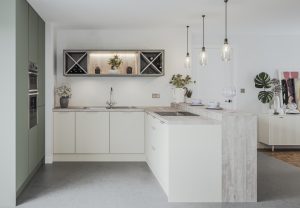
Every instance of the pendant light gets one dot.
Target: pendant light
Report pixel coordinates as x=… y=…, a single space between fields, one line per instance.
x=226 y=50
x=187 y=63
x=203 y=55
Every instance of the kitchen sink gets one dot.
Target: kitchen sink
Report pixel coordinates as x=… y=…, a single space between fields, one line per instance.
x=178 y=113
x=121 y=107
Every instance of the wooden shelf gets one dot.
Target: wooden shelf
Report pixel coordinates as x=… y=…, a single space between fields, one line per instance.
x=94 y=63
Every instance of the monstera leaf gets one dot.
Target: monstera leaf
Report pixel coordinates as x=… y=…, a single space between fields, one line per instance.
x=265 y=96
x=262 y=80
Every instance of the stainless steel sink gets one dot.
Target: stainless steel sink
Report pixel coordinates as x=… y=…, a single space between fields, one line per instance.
x=121 y=107
x=178 y=113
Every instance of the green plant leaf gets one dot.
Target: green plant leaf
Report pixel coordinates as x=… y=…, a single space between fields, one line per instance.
x=262 y=80
x=265 y=96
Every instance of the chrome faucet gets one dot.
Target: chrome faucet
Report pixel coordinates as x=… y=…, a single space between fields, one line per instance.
x=110 y=103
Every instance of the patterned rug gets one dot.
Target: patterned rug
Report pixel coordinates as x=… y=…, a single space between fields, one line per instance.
x=289 y=156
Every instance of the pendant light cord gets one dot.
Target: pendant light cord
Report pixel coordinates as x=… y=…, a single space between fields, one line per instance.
x=203 y=16
x=226 y=18
x=187 y=40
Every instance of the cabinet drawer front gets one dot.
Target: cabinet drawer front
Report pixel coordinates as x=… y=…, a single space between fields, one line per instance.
x=92 y=132
x=64 y=132
x=127 y=132
x=284 y=130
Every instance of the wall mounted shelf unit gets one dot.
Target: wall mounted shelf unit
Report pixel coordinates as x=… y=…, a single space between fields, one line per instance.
x=135 y=63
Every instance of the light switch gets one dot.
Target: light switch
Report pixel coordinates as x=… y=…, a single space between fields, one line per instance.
x=155 y=95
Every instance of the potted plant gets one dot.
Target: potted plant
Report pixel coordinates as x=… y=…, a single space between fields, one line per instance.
x=266 y=96
x=65 y=93
x=179 y=82
x=114 y=63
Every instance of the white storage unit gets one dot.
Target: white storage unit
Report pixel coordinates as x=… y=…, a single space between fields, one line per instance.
x=99 y=136
x=64 y=132
x=127 y=132
x=92 y=132
x=181 y=158
x=157 y=149
x=279 y=130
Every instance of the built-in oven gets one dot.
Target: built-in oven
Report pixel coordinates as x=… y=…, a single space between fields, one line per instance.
x=33 y=94
x=33 y=77
x=33 y=113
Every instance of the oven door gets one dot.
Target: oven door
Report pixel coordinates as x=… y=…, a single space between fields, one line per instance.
x=33 y=113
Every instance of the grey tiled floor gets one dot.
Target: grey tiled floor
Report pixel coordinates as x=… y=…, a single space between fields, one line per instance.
x=132 y=185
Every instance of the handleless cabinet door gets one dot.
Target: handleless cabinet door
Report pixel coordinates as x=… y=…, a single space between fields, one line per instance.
x=33 y=148
x=126 y=132
x=41 y=132
x=92 y=132
x=64 y=132
x=33 y=35
x=21 y=93
x=41 y=62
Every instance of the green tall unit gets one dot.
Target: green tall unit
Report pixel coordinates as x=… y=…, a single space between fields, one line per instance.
x=30 y=48
x=22 y=105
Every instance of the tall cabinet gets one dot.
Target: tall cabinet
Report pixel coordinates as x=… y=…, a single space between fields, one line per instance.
x=30 y=48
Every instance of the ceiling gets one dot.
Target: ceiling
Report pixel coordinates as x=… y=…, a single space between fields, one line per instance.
x=251 y=16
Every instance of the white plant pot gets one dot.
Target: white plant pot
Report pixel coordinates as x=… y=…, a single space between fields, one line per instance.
x=113 y=71
x=178 y=95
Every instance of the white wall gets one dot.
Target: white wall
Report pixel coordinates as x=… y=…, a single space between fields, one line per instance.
x=127 y=90
x=255 y=54
x=216 y=75
x=251 y=55
x=8 y=103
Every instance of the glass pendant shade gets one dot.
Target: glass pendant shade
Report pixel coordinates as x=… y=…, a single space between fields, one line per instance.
x=203 y=57
x=188 y=62
x=226 y=49
x=226 y=52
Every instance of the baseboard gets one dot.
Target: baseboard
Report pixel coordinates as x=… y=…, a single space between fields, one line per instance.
x=48 y=159
x=28 y=179
x=98 y=157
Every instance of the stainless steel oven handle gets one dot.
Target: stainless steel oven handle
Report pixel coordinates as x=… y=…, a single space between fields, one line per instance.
x=33 y=93
x=33 y=72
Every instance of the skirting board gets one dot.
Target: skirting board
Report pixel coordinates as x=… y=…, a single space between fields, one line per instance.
x=98 y=157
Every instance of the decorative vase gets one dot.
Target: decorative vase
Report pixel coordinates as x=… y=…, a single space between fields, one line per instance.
x=97 y=70
x=64 y=102
x=178 y=94
x=277 y=107
x=129 y=70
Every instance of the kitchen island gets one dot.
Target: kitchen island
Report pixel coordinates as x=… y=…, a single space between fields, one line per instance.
x=206 y=158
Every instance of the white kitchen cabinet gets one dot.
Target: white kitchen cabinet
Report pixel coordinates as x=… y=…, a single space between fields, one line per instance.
x=126 y=132
x=181 y=158
x=64 y=132
x=156 y=137
x=92 y=132
x=279 y=130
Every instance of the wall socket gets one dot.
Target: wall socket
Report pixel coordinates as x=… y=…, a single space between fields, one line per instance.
x=155 y=95
x=243 y=90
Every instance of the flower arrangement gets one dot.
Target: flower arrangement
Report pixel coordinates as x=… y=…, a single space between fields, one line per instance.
x=115 y=62
x=64 y=91
x=179 y=81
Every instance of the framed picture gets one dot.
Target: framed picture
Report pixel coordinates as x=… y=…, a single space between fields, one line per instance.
x=290 y=82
